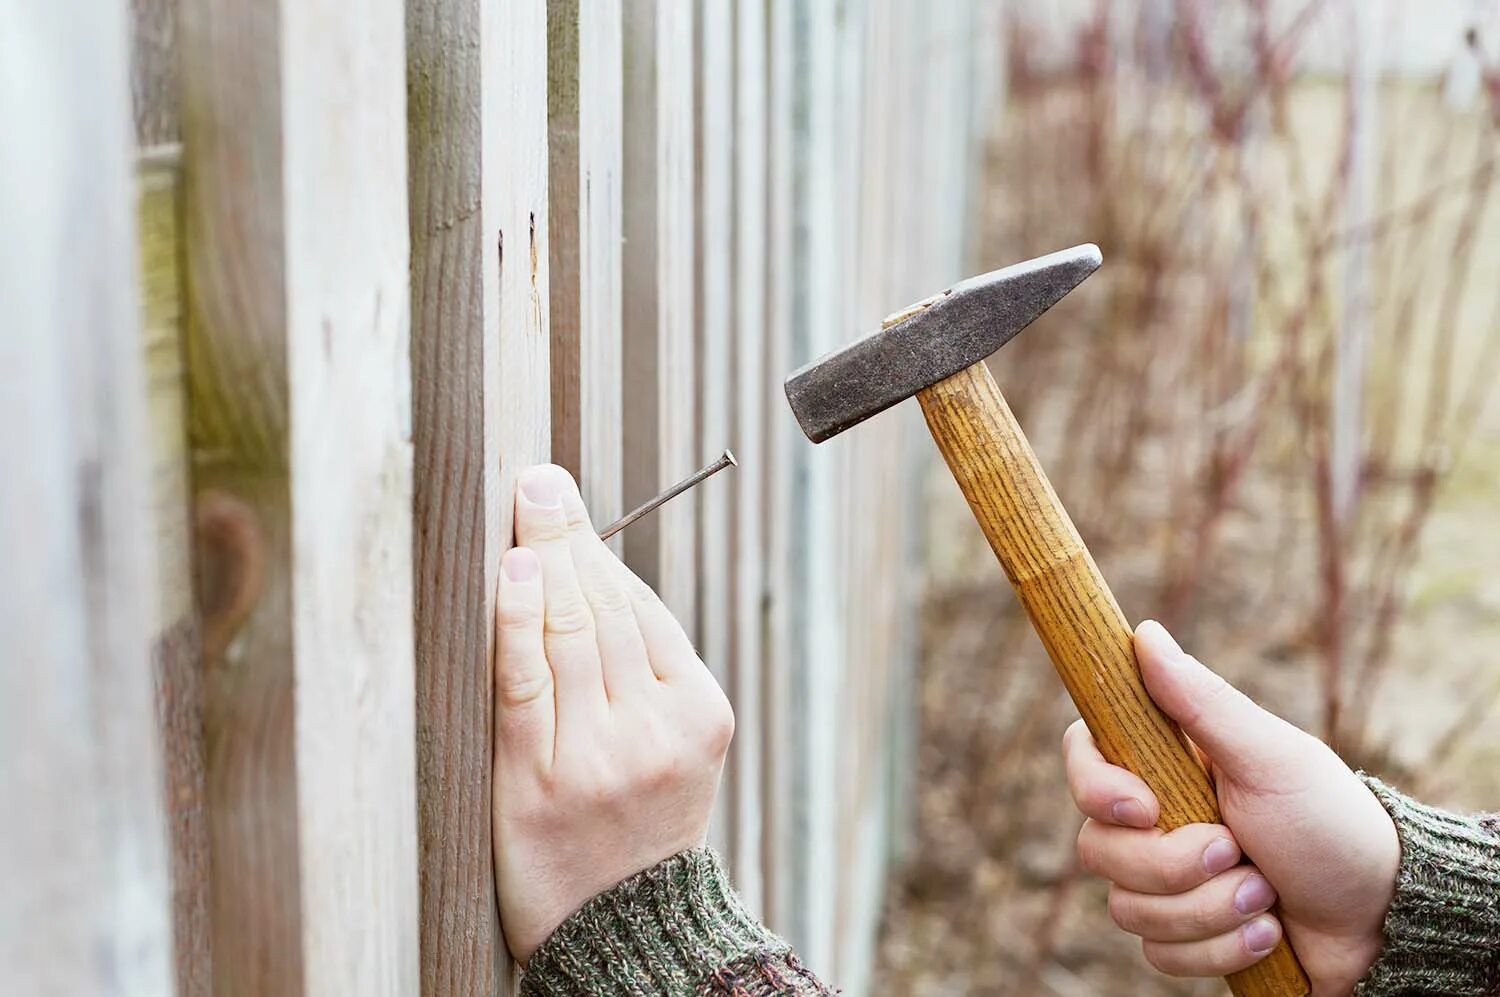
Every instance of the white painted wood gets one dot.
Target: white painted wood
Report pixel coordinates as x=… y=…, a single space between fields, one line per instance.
x=660 y=382
x=715 y=139
x=85 y=909
x=299 y=381
x=348 y=323
x=584 y=132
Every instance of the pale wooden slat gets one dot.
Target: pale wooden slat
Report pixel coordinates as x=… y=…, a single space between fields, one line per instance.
x=750 y=510
x=818 y=610
x=86 y=906
x=515 y=207
x=713 y=93
x=783 y=842
x=584 y=211
x=296 y=236
x=659 y=398
x=153 y=71
x=174 y=626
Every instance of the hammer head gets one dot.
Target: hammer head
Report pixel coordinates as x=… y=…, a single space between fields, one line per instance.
x=961 y=327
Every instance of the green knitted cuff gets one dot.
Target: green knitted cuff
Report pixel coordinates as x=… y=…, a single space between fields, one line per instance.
x=1442 y=933
x=662 y=932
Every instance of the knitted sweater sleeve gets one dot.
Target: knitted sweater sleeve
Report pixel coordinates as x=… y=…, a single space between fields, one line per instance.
x=1442 y=932
x=676 y=930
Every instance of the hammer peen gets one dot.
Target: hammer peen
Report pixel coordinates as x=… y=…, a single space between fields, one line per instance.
x=936 y=350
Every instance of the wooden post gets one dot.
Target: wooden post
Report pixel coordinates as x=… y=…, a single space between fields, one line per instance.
x=294 y=131
x=83 y=850
x=584 y=195
x=660 y=394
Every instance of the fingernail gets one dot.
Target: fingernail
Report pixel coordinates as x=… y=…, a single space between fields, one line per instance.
x=1254 y=894
x=1260 y=935
x=1220 y=855
x=520 y=564
x=541 y=485
x=1159 y=641
x=1131 y=813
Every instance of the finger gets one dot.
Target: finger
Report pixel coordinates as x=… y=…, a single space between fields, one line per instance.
x=1220 y=905
x=525 y=713
x=1152 y=861
x=568 y=625
x=673 y=657
x=622 y=649
x=1103 y=791
x=1242 y=738
x=1220 y=956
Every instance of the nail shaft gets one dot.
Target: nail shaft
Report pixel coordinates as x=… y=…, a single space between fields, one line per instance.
x=726 y=459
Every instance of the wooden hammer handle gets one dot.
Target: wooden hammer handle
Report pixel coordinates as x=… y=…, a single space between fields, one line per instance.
x=1077 y=617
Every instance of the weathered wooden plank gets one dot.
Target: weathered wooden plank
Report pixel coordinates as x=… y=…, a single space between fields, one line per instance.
x=153 y=71
x=584 y=80
x=749 y=505
x=86 y=907
x=659 y=398
x=515 y=207
x=714 y=105
x=174 y=625
x=455 y=371
x=296 y=233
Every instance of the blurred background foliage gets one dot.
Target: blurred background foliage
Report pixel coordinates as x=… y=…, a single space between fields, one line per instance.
x=1268 y=414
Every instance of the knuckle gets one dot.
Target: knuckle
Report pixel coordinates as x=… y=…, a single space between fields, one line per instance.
x=609 y=602
x=522 y=686
x=718 y=726
x=517 y=618
x=1088 y=848
x=1123 y=911
x=569 y=619
x=1161 y=958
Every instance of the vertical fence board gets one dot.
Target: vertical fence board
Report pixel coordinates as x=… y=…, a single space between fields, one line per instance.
x=456 y=358
x=174 y=625
x=660 y=395
x=296 y=235
x=749 y=507
x=584 y=211
x=782 y=445
x=86 y=906
x=714 y=94
x=153 y=70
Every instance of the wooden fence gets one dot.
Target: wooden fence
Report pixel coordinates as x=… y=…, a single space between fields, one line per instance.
x=270 y=368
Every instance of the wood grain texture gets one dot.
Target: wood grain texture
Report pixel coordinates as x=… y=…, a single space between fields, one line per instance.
x=713 y=92
x=153 y=71
x=86 y=905
x=750 y=290
x=1076 y=616
x=456 y=512
x=174 y=625
x=660 y=395
x=584 y=108
x=299 y=413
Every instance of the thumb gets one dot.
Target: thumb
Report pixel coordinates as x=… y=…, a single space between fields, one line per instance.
x=1242 y=739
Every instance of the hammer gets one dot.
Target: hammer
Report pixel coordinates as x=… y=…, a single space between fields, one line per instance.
x=936 y=350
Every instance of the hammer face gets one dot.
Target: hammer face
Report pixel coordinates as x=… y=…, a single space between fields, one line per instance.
x=961 y=327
